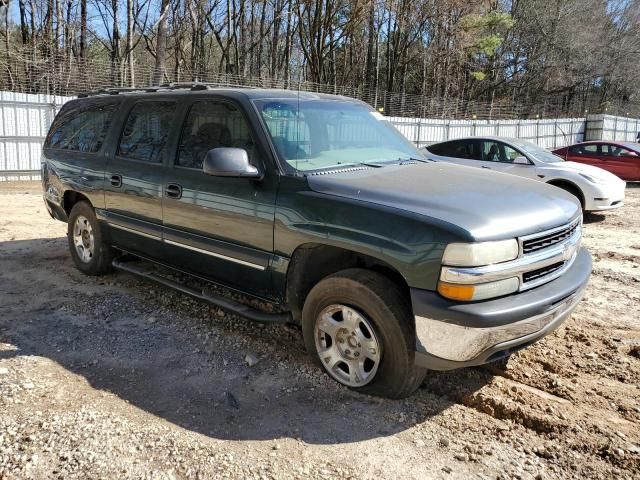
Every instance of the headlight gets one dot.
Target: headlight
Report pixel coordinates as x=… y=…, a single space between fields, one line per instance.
x=592 y=179
x=479 y=254
x=481 y=291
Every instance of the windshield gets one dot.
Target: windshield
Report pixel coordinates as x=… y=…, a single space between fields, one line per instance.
x=321 y=134
x=536 y=151
x=632 y=146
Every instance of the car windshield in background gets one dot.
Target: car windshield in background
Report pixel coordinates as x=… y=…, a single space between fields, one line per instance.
x=632 y=146
x=322 y=134
x=536 y=151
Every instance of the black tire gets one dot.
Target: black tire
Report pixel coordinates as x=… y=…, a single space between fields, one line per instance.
x=388 y=310
x=99 y=262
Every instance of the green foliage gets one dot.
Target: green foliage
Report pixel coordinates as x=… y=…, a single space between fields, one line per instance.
x=488 y=21
x=488 y=45
x=485 y=31
x=482 y=35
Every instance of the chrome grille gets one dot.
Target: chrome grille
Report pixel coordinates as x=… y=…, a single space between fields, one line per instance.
x=549 y=239
x=541 y=272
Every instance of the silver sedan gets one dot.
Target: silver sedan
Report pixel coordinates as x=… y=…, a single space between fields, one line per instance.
x=595 y=188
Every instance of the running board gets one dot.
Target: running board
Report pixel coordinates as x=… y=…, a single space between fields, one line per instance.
x=219 y=301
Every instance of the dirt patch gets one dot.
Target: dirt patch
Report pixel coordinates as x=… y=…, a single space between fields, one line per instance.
x=113 y=377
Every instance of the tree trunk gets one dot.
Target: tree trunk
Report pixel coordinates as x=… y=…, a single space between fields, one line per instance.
x=129 y=46
x=263 y=15
x=83 y=29
x=24 y=28
x=115 y=47
x=371 y=38
x=161 y=44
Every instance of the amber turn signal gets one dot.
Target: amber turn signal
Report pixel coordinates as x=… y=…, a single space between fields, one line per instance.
x=456 y=292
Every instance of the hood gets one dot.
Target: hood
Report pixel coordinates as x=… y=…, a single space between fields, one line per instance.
x=590 y=170
x=485 y=205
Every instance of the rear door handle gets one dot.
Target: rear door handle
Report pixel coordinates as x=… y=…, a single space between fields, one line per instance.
x=486 y=167
x=173 y=190
x=116 y=180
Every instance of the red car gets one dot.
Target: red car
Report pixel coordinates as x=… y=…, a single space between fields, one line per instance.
x=620 y=158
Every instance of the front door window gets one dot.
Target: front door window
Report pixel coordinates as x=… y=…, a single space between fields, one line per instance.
x=494 y=151
x=212 y=125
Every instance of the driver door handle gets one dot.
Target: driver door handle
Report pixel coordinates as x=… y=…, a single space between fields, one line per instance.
x=173 y=190
x=116 y=180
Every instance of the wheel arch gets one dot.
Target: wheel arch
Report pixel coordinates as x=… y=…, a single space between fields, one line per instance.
x=70 y=198
x=311 y=262
x=569 y=185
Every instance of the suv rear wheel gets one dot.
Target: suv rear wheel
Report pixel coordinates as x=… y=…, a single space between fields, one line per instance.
x=356 y=324
x=90 y=253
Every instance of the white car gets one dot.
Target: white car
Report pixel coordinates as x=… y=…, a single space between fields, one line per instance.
x=596 y=188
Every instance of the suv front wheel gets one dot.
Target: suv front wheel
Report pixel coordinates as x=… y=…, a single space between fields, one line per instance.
x=90 y=253
x=356 y=324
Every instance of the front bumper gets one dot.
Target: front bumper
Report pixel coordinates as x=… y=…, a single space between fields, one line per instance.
x=453 y=335
x=605 y=197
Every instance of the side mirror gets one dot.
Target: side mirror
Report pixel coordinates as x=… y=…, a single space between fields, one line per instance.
x=229 y=162
x=521 y=160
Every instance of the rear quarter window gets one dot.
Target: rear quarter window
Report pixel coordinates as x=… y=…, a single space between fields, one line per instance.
x=81 y=128
x=584 y=149
x=470 y=149
x=445 y=149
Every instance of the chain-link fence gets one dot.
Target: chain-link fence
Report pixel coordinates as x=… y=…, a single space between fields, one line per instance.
x=67 y=75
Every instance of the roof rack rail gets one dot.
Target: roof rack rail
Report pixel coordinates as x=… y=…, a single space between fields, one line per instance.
x=185 y=85
x=117 y=90
x=201 y=85
x=193 y=86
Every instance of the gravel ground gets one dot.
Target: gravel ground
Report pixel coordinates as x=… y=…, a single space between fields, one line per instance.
x=113 y=377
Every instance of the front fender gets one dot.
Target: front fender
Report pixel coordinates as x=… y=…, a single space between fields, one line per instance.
x=404 y=240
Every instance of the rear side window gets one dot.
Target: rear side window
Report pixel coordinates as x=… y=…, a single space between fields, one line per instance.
x=81 y=129
x=584 y=149
x=445 y=149
x=146 y=131
x=469 y=149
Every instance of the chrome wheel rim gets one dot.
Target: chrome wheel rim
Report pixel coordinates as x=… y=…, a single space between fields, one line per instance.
x=83 y=239
x=347 y=345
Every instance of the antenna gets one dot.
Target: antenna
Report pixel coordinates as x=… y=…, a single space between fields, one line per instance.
x=298 y=122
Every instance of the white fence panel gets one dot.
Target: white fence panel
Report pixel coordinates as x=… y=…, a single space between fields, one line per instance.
x=458 y=128
x=609 y=127
x=24 y=122
x=549 y=133
x=509 y=128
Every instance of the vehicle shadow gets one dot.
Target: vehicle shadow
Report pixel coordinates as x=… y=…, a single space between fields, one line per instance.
x=184 y=362
x=592 y=217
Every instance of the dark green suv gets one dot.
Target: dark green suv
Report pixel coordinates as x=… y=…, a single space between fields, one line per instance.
x=391 y=263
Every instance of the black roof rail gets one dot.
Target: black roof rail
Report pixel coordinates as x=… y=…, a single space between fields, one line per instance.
x=117 y=90
x=193 y=86
x=185 y=85
x=201 y=85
